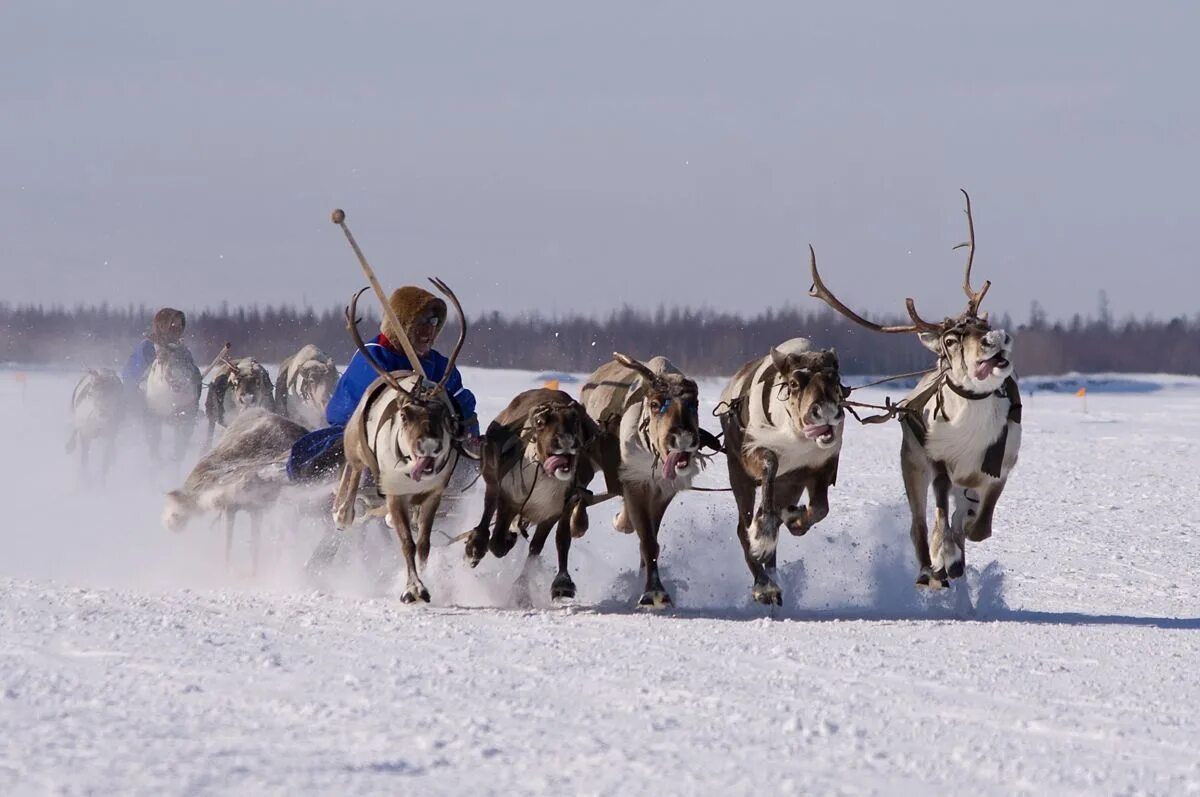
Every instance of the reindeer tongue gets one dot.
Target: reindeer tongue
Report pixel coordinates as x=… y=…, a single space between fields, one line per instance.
x=556 y=462
x=420 y=466
x=984 y=369
x=671 y=466
x=813 y=431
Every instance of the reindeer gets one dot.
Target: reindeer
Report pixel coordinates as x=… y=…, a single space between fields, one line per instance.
x=238 y=386
x=246 y=471
x=536 y=466
x=783 y=422
x=407 y=434
x=961 y=425
x=97 y=409
x=648 y=414
x=303 y=386
x=172 y=392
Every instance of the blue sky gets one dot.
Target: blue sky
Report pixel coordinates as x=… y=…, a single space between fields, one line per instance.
x=560 y=157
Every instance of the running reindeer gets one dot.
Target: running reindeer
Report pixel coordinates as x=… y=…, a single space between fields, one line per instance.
x=648 y=414
x=245 y=472
x=172 y=392
x=239 y=385
x=97 y=409
x=961 y=425
x=303 y=386
x=405 y=431
x=783 y=422
x=536 y=465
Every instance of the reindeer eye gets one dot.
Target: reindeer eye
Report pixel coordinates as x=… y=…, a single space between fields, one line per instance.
x=951 y=340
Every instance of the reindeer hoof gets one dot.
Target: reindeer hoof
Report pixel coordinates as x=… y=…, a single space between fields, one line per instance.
x=415 y=594
x=501 y=543
x=476 y=549
x=654 y=599
x=621 y=523
x=563 y=588
x=767 y=594
x=956 y=569
x=933 y=580
x=978 y=533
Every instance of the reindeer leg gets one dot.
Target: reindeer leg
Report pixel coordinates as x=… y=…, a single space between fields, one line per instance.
x=940 y=540
x=153 y=431
x=84 y=444
x=110 y=451
x=799 y=519
x=916 y=476
x=347 y=492
x=415 y=590
x=230 y=517
x=503 y=537
x=425 y=519
x=979 y=527
x=563 y=588
x=477 y=542
x=764 y=590
x=256 y=520
x=763 y=532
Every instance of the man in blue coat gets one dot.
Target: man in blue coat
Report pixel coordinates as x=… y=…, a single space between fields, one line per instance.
x=422 y=315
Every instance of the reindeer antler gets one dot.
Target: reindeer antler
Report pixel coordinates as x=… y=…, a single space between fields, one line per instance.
x=636 y=365
x=352 y=326
x=462 y=328
x=819 y=291
x=974 y=298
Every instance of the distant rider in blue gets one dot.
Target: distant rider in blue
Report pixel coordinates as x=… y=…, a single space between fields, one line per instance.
x=166 y=329
x=422 y=315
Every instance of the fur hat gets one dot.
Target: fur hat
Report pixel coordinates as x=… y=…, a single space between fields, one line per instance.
x=167 y=326
x=411 y=303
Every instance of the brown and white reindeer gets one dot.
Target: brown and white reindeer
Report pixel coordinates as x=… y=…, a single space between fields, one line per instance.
x=97 y=409
x=536 y=464
x=303 y=386
x=648 y=414
x=244 y=472
x=407 y=434
x=783 y=422
x=238 y=385
x=172 y=391
x=961 y=425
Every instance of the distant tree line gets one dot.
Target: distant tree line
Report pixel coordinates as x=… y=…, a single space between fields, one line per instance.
x=703 y=342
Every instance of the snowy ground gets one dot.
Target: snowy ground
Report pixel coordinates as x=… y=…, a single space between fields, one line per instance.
x=131 y=662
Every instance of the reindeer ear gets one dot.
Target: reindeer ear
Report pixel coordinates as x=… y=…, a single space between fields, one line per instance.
x=778 y=359
x=931 y=341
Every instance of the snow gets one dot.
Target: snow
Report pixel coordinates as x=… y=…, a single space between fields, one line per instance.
x=131 y=661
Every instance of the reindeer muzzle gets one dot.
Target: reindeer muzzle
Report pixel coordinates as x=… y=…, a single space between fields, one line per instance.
x=675 y=462
x=422 y=467
x=559 y=465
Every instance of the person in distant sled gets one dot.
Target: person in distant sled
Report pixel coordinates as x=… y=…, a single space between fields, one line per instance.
x=165 y=330
x=319 y=454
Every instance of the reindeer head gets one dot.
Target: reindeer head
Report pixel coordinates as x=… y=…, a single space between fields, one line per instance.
x=178 y=510
x=970 y=352
x=315 y=382
x=556 y=434
x=246 y=383
x=812 y=386
x=671 y=414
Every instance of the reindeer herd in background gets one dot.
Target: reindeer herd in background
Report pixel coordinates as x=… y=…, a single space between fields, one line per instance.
x=782 y=418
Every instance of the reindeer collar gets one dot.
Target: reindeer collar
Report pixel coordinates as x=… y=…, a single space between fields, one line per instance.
x=970 y=395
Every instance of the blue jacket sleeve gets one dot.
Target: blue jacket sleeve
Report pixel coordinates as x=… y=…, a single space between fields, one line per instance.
x=137 y=364
x=465 y=400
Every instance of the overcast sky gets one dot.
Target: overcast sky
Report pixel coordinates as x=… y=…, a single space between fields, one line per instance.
x=566 y=156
